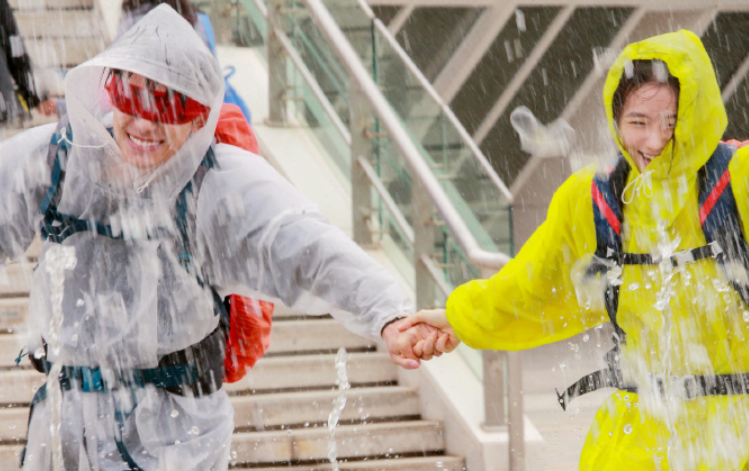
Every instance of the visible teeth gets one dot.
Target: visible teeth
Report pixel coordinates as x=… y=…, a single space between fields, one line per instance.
x=143 y=143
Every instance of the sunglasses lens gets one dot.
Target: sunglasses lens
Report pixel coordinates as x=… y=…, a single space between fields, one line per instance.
x=161 y=106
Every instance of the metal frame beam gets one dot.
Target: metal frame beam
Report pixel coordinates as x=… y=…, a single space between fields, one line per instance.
x=671 y=5
x=472 y=49
x=522 y=74
x=400 y=19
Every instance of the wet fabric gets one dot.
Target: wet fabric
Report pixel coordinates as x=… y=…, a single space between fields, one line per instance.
x=127 y=302
x=679 y=321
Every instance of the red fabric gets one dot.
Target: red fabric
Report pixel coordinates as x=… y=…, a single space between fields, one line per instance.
x=233 y=128
x=737 y=143
x=166 y=107
x=249 y=335
x=605 y=209
x=714 y=195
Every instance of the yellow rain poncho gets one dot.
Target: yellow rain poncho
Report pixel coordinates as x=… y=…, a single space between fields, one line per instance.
x=701 y=326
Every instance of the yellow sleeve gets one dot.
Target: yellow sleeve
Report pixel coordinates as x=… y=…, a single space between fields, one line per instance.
x=739 y=168
x=532 y=300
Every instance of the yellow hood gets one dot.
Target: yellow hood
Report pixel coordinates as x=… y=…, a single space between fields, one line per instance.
x=700 y=123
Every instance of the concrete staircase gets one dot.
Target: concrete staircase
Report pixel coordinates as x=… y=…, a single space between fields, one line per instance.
x=281 y=407
x=58 y=35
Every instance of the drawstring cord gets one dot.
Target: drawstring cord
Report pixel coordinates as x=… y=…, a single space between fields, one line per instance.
x=640 y=184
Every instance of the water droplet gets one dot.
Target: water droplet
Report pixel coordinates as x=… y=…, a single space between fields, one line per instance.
x=194 y=430
x=79 y=303
x=628 y=429
x=746 y=316
x=586 y=337
x=174 y=413
x=634 y=286
x=234 y=454
x=562 y=366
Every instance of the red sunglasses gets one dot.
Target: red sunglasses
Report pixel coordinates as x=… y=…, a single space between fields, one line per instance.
x=166 y=107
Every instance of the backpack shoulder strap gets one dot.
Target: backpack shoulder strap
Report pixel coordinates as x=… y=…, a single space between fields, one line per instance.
x=56 y=155
x=719 y=216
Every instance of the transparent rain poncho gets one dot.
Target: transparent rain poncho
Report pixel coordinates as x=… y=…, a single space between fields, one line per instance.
x=128 y=302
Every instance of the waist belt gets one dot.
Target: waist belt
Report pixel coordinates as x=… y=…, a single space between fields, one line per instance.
x=684 y=387
x=198 y=369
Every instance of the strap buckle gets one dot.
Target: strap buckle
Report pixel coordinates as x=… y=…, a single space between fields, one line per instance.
x=680 y=259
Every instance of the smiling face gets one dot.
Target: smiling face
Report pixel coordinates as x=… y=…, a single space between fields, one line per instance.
x=145 y=143
x=647 y=122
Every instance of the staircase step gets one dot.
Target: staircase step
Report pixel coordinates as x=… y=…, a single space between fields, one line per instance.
x=12 y=315
x=324 y=336
x=315 y=371
x=314 y=335
x=270 y=374
x=66 y=53
x=388 y=441
x=52 y=4
x=15 y=279
x=272 y=411
x=426 y=463
x=353 y=441
x=58 y=24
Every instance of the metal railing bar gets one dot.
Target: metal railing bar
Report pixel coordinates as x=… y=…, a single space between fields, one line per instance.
x=262 y=7
x=314 y=86
x=388 y=200
x=522 y=74
x=401 y=138
x=400 y=19
x=465 y=137
x=439 y=279
x=738 y=77
x=426 y=85
x=472 y=49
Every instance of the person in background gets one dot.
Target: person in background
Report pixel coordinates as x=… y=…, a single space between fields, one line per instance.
x=18 y=94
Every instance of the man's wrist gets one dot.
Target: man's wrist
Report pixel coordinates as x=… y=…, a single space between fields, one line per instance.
x=391 y=321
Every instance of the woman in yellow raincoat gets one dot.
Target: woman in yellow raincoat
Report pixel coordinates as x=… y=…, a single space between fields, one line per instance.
x=679 y=321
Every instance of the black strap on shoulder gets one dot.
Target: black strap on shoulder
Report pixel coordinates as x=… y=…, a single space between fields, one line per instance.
x=719 y=216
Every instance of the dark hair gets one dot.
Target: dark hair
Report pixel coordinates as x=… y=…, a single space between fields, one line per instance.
x=641 y=73
x=183 y=7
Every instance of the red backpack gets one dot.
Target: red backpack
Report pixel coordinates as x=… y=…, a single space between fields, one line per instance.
x=250 y=320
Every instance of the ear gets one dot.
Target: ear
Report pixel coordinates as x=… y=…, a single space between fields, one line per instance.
x=197 y=123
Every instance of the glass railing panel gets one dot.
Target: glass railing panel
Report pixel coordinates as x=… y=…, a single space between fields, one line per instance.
x=309 y=111
x=554 y=81
x=319 y=59
x=251 y=23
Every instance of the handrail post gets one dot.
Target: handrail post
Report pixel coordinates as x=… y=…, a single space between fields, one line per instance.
x=503 y=397
x=361 y=145
x=422 y=221
x=278 y=83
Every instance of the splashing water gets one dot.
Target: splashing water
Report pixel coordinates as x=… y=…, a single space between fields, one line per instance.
x=544 y=141
x=340 y=403
x=58 y=259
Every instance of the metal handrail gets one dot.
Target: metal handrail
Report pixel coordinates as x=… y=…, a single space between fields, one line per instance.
x=449 y=114
x=352 y=63
x=390 y=204
x=313 y=85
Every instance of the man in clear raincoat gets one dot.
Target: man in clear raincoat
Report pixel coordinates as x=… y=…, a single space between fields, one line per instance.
x=686 y=325
x=128 y=285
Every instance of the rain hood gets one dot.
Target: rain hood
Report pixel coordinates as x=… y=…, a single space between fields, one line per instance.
x=700 y=124
x=162 y=47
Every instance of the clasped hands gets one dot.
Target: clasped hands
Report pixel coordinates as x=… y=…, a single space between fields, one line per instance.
x=424 y=335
